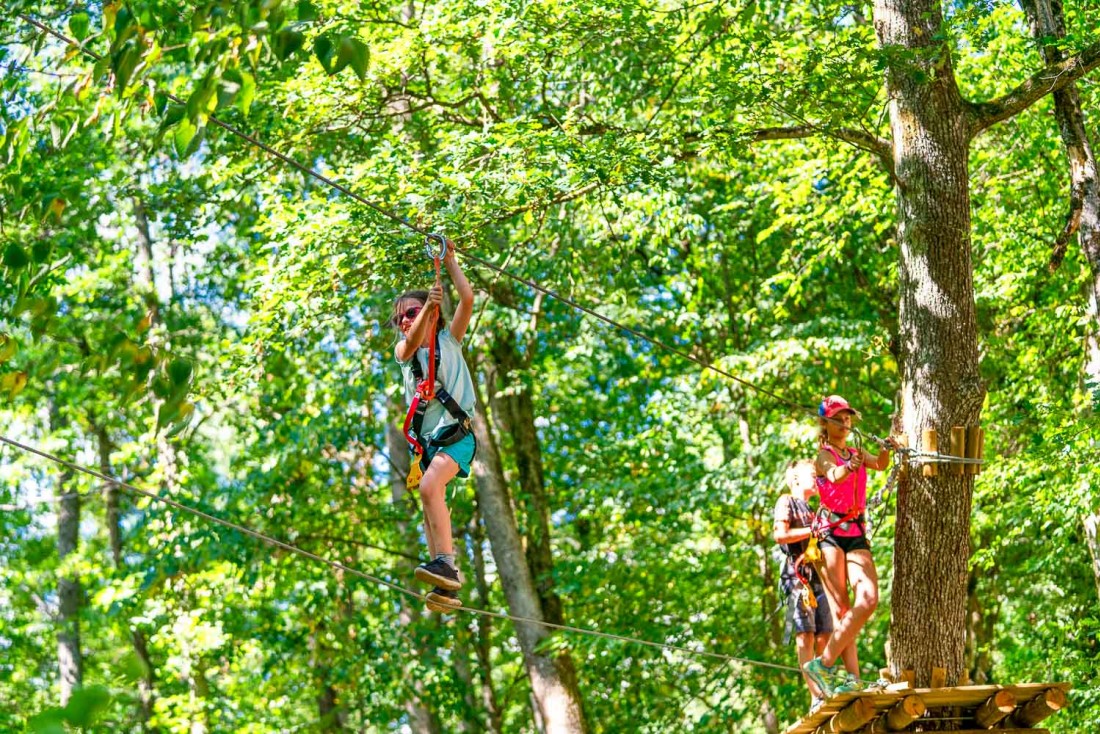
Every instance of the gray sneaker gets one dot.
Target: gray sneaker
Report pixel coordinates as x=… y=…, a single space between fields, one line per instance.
x=822 y=675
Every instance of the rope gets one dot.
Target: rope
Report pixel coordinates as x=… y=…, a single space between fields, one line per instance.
x=375 y=579
x=466 y=253
x=911 y=454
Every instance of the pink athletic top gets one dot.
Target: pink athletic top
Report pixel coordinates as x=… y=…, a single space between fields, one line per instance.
x=840 y=497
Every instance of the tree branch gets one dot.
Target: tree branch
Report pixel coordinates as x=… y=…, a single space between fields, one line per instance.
x=1050 y=79
x=876 y=146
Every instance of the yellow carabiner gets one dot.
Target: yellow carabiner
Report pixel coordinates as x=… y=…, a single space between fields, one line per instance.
x=415 y=473
x=813 y=552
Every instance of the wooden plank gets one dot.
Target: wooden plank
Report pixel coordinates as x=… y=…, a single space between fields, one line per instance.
x=853 y=717
x=973 y=441
x=929 y=444
x=996 y=707
x=908 y=675
x=967 y=698
x=939 y=675
x=1040 y=707
x=905 y=712
x=958 y=448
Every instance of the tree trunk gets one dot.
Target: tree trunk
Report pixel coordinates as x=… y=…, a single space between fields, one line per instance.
x=941 y=386
x=70 y=662
x=513 y=407
x=557 y=700
x=147 y=682
x=330 y=715
x=422 y=720
x=1047 y=19
x=484 y=642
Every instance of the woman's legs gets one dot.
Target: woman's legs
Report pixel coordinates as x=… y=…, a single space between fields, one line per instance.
x=836 y=588
x=861 y=574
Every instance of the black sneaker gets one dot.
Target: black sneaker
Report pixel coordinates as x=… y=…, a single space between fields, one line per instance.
x=438 y=573
x=442 y=600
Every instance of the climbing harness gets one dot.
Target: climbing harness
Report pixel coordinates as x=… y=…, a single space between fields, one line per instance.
x=427 y=390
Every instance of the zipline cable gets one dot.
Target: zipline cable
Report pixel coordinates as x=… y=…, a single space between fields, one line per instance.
x=375 y=579
x=942 y=458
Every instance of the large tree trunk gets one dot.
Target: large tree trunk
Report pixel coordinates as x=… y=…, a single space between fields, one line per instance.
x=514 y=412
x=941 y=386
x=1047 y=20
x=557 y=700
x=422 y=720
x=70 y=662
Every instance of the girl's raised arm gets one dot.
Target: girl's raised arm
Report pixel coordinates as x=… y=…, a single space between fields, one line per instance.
x=465 y=308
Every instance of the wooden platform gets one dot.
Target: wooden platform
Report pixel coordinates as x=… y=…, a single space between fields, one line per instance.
x=964 y=702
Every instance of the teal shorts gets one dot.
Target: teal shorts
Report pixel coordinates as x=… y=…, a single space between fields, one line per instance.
x=462 y=451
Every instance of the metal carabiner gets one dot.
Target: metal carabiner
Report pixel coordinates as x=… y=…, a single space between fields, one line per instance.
x=433 y=254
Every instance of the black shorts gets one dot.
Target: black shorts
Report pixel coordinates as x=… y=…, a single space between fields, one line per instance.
x=847 y=543
x=802 y=619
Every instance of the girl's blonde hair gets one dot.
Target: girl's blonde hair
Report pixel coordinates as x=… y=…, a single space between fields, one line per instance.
x=793 y=467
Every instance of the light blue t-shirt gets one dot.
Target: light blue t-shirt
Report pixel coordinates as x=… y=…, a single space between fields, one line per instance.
x=452 y=374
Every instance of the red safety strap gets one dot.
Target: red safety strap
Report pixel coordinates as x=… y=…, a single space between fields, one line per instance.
x=426 y=389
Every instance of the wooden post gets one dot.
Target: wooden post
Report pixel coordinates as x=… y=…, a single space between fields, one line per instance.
x=1038 y=708
x=958 y=448
x=852 y=717
x=964 y=677
x=930 y=444
x=904 y=713
x=939 y=678
x=973 y=444
x=902 y=440
x=909 y=677
x=981 y=450
x=995 y=708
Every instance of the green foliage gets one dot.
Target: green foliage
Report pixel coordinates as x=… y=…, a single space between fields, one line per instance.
x=234 y=353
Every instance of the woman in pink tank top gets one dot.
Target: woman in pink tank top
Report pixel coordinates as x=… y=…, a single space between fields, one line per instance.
x=842 y=481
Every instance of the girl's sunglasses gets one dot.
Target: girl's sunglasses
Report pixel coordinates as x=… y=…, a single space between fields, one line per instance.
x=409 y=313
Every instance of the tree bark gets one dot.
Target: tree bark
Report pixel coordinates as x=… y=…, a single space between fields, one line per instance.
x=1047 y=19
x=941 y=386
x=515 y=411
x=70 y=661
x=483 y=643
x=557 y=700
x=422 y=720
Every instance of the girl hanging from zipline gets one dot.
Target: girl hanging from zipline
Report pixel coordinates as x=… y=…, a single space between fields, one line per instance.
x=842 y=484
x=441 y=394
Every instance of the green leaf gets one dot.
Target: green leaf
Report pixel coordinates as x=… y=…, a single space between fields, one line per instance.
x=179 y=370
x=354 y=52
x=247 y=92
x=78 y=25
x=172 y=115
x=324 y=49
x=8 y=347
x=86 y=705
x=15 y=257
x=184 y=135
x=306 y=10
x=40 y=251
x=287 y=42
